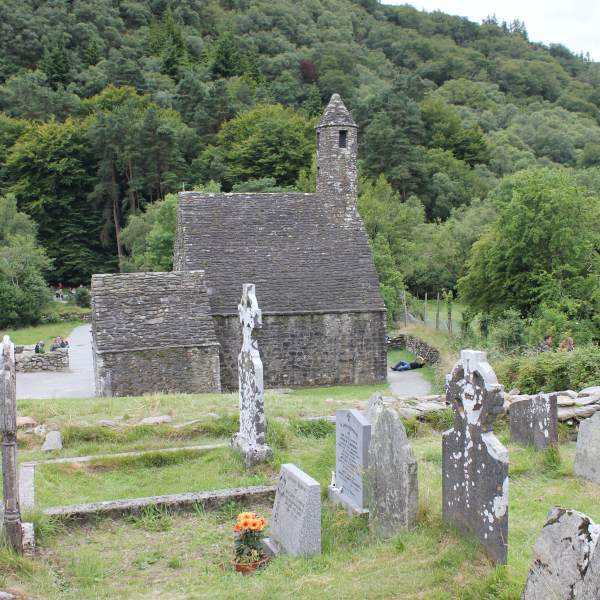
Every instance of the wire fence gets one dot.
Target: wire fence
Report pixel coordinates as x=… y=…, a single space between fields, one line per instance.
x=427 y=322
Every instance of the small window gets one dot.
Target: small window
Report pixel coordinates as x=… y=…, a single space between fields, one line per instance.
x=318 y=140
x=343 y=139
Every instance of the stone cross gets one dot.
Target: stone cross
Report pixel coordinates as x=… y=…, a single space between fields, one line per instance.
x=13 y=531
x=250 y=440
x=474 y=462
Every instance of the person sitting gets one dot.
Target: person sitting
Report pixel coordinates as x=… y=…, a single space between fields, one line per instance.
x=64 y=344
x=546 y=343
x=55 y=344
x=39 y=348
x=567 y=345
x=405 y=366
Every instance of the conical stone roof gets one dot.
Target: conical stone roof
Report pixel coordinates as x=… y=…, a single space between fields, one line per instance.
x=336 y=113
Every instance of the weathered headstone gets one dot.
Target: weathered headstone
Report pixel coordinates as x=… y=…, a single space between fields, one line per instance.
x=534 y=422
x=8 y=430
x=296 y=520
x=53 y=442
x=561 y=564
x=250 y=440
x=373 y=409
x=392 y=476
x=587 y=452
x=474 y=462
x=352 y=437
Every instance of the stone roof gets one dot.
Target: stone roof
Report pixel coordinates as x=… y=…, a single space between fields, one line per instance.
x=145 y=311
x=336 y=113
x=299 y=261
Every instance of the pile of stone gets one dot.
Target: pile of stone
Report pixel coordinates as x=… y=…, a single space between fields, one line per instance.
x=571 y=405
x=27 y=361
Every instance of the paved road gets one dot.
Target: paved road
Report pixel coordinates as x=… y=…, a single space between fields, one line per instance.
x=406 y=384
x=79 y=383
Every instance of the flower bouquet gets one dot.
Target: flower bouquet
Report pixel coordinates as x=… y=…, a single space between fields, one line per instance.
x=248 y=545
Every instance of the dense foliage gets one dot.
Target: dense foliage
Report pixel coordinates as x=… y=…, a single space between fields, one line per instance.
x=469 y=133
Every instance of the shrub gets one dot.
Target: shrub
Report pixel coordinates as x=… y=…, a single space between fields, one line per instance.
x=83 y=298
x=53 y=319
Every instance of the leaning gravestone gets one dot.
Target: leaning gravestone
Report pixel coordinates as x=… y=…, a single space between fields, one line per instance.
x=250 y=440
x=13 y=531
x=534 y=422
x=392 y=476
x=474 y=462
x=587 y=453
x=562 y=566
x=352 y=437
x=296 y=520
x=373 y=409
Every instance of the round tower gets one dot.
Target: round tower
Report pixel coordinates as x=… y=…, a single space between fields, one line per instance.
x=336 y=162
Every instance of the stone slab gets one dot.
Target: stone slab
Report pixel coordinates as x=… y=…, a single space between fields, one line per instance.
x=352 y=437
x=534 y=422
x=561 y=556
x=179 y=503
x=587 y=452
x=589 y=391
x=296 y=519
x=28 y=540
x=53 y=442
x=373 y=408
x=26 y=485
x=393 y=487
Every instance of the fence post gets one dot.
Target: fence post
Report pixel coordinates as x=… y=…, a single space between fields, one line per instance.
x=405 y=311
x=437 y=314
x=425 y=311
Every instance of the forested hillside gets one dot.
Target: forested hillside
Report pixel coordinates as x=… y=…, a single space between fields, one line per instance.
x=467 y=132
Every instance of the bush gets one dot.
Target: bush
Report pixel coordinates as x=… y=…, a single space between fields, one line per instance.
x=83 y=298
x=551 y=371
x=21 y=305
x=53 y=319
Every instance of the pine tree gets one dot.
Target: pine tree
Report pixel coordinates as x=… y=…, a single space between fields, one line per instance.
x=56 y=63
x=173 y=63
x=93 y=55
x=227 y=61
x=313 y=103
x=252 y=70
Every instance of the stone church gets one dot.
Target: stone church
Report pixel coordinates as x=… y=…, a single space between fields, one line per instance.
x=324 y=319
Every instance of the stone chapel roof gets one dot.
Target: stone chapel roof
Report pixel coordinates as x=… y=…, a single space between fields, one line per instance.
x=285 y=244
x=336 y=113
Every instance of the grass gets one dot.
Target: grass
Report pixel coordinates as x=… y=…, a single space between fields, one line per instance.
x=32 y=335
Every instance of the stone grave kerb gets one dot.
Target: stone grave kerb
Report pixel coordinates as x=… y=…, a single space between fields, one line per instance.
x=10 y=516
x=474 y=462
x=250 y=440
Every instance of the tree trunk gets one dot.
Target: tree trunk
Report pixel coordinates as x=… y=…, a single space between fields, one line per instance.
x=13 y=531
x=405 y=311
x=115 y=204
x=437 y=314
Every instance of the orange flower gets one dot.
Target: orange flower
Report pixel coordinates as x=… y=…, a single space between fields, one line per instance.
x=245 y=515
x=246 y=523
x=263 y=522
x=237 y=527
x=254 y=524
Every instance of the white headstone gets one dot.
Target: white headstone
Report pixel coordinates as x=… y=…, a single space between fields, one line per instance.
x=295 y=526
x=250 y=441
x=352 y=437
x=587 y=453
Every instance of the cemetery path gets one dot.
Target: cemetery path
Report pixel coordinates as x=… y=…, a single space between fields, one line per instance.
x=78 y=383
x=407 y=384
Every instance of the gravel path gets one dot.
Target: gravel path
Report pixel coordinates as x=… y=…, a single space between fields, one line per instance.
x=79 y=383
x=406 y=384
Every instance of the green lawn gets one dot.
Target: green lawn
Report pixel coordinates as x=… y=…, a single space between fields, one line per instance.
x=32 y=335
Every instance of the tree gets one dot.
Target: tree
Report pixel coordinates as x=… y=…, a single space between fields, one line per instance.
x=57 y=63
x=93 y=55
x=543 y=246
x=51 y=172
x=313 y=104
x=227 y=60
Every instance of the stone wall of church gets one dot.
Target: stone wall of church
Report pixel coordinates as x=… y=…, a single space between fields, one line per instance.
x=310 y=350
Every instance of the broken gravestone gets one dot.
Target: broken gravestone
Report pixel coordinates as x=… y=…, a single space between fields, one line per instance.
x=561 y=563
x=587 y=453
x=53 y=442
x=392 y=476
x=250 y=440
x=534 y=422
x=373 y=409
x=474 y=462
x=296 y=520
x=352 y=437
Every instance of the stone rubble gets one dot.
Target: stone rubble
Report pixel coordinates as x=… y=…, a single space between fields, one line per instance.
x=155 y=420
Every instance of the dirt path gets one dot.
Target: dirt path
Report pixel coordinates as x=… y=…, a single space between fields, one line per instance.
x=79 y=383
x=406 y=384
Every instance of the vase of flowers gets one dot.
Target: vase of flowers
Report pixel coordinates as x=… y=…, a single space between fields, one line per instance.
x=248 y=543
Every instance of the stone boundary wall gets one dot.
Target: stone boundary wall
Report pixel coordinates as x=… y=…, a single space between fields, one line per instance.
x=85 y=317
x=310 y=350
x=26 y=361
x=415 y=345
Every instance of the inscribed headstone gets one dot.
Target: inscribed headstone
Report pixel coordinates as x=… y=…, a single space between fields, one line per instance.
x=562 y=558
x=296 y=520
x=474 y=462
x=534 y=422
x=8 y=431
x=392 y=475
x=250 y=440
x=587 y=452
x=352 y=437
